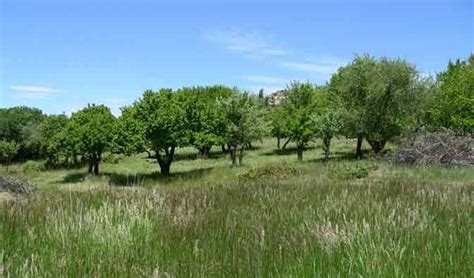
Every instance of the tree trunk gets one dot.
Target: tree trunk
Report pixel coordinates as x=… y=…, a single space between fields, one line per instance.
x=233 y=155
x=326 y=146
x=224 y=150
x=165 y=169
x=359 y=147
x=377 y=146
x=91 y=166
x=241 y=155
x=149 y=153
x=286 y=143
x=165 y=164
x=96 y=167
x=278 y=142
x=75 y=161
x=299 y=152
x=204 y=152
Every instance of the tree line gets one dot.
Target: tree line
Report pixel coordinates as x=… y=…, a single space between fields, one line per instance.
x=372 y=99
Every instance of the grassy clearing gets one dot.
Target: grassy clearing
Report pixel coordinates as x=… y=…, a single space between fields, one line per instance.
x=272 y=217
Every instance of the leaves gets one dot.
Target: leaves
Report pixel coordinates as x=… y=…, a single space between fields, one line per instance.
x=52 y=137
x=299 y=108
x=244 y=121
x=453 y=106
x=92 y=127
x=379 y=98
x=8 y=150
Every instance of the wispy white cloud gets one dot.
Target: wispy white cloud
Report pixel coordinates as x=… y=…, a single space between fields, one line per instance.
x=34 y=92
x=249 y=44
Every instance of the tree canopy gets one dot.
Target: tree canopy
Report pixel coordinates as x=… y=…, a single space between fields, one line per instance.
x=52 y=137
x=453 y=105
x=90 y=132
x=166 y=127
x=299 y=107
x=378 y=98
x=20 y=125
x=207 y=122
x=244 y=123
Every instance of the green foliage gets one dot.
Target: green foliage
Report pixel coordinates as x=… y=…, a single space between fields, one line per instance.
x=326 y=119
x=349 y=170
x=244 y=123
x=129 y=132
x=166 y=126
x=19 y=124
x=277 y=120
x=34 y=166
x=269 y=171
x=379 y=98
x=206 y=121
x=298 y=108
x=7 y=151
x=164 y=116
x=91 y=132
x=111 y=158
x=52 y=133
x=453 y=106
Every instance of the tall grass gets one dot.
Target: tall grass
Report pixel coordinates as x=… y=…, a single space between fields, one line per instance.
x=259 y=221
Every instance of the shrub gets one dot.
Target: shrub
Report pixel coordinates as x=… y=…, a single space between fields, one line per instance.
x=346 y=170
x=34 y=166
x=269 y=171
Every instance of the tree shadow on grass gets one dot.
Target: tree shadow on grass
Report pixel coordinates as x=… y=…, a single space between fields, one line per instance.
x=216 y=154
x=139 y=179
x=193 y=156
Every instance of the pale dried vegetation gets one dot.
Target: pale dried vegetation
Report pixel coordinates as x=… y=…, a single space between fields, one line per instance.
x=444 y=148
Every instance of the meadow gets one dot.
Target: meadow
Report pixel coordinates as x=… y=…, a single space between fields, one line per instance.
x=272 y=217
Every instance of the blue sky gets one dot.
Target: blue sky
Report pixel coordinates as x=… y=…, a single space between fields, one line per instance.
x=61 y=55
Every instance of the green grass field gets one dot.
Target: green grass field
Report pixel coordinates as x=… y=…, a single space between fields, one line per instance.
x=273 y=217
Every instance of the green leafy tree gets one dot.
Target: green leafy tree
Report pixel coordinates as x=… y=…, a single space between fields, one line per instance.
x=299 y=108
x=379 y=98
x=206 y=121
x=350 y=86
x=163 y=115
x=453 y=106
x=91 y=132
x=129 y=133
x=244 y=123
x=52 y=132
x=20 y=124
x=8 y=150
x=326 y=119
x=277 y=120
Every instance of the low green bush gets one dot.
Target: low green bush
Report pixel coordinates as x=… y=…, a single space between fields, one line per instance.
x=34 y=166
x=269 y=171
x=349 y=170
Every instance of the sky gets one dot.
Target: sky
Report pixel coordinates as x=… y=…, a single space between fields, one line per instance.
x=60 y=55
